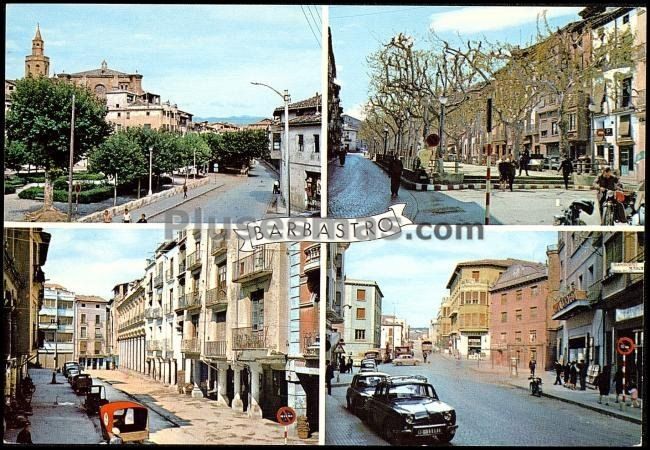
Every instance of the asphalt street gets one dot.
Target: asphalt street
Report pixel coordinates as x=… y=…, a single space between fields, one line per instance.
x=489 y=413
x=361 y=188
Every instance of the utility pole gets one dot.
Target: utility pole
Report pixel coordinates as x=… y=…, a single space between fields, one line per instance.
x=150 y=169
x=488 y=179
x=71 y=162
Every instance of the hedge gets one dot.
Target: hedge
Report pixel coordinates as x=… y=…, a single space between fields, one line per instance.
x=97 y=194
x=9 y=189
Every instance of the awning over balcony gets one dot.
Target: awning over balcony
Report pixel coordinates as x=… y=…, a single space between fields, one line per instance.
x=572 y=309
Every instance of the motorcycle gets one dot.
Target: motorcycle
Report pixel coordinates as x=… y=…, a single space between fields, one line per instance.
x=535 y=385
x=617 y=207
x=571 y=214
x=637 y=217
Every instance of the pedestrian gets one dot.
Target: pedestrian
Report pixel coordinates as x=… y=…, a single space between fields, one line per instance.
x=342 y=364
x=558 y=373
x=618 y=382
x=127 y=216
x=350 y=364
x=424 y=356
x=511 y=171
x=116 y=438
x=342 y=153
x=502 y=166
x=185 y=190
x=573 y=375
x=567 y=169
x=396 y=168
x=583 y=374
x=531 y=365
x=524 y=159
x=329 y=374
x=25 y=435
x=567 y=373
x=634 y=395
x=602 y=381
x=107 y=218
x=142 y=219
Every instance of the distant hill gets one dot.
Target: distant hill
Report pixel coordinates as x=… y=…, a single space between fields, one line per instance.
x=237 y=120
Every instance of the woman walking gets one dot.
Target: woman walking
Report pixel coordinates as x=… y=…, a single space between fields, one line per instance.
x=573 y=375
x=618 y=382
x=602 y=381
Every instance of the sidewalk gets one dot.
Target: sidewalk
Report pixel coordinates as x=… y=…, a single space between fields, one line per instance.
x=199 y=420
x=586 y=399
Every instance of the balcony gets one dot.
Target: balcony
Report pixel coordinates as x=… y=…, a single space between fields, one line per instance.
x=219 y=246
x=169 y=275
x=181 y=267
x=190 y=346
x=99 y=335
x=193 y=260
x=154 y=345
x=189 y=300
x=158 y=281
x=216 y=297
x=248 y=338
x=153 y=313
x=312 y=258
x=310 y=345
x=215 y=348
x=182 y=235
x=531 y=129
x=254 y=266
x=60 y=347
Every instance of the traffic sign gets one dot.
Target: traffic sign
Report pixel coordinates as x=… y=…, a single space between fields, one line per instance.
x=286 y=416
x=625 y=346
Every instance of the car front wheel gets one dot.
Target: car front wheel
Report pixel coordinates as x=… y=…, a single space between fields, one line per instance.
x=392 y=433
x=447 y=436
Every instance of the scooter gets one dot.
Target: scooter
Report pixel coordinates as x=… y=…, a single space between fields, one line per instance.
x=571 y=214
x=535 y=385
x=614 y=207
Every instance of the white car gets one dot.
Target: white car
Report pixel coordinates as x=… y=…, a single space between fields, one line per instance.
x=406 y=360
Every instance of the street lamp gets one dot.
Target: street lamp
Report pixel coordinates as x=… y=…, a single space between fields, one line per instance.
x=150 y=168
x=443 y=101
x=593 y=108
x=385 y=140
x=55 y=322
x=285 y=175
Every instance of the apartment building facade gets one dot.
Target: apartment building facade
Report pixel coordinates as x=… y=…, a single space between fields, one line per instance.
x=131 y=326
x=394 y=333
x=335 y=298
x=56 y=327
x=362 y=317
x=90 y=348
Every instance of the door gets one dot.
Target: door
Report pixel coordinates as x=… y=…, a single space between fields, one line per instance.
x=244 y=387
x=230 y=385
x=624 y=160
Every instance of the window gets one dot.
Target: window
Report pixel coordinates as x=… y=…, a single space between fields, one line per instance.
x=96 y=306
x=532 y=336
x=301 y=143
x=147 y=126
x=475 y=275
x=148 y=113
x=361 y=313
x=119 y=114
x=128 y=115
x=504 y=337
x=544 y=133
x=626 y=93
x=221 y=276
x=534 y=290
x=83 y=318
x=518 y=337
x=276 y=141
x=361 y=295
x=626 y=18
x=518 y=315
x=117 y=105
x=624 y=126
x=359 y=335
x=533 y=312
x=518 y=294
x=97 y=317
x=84 y=332
x=504 y=299
x=572 y=122
x=504 y=317
x=316 y=143
x=257 y=300
x=554 y=129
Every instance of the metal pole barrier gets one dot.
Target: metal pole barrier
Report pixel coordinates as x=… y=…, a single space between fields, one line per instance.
x=488 y=180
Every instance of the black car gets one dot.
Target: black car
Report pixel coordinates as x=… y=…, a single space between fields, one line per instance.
x=404 y=408
x=363 y=386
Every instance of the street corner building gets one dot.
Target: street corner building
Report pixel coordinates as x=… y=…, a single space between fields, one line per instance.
x=25 y=252
x=240 y=328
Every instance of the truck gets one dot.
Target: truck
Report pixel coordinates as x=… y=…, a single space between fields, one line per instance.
x=403 y=350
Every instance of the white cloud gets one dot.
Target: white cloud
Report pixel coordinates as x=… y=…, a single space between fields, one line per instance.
x=475 y=19
x=357 y=111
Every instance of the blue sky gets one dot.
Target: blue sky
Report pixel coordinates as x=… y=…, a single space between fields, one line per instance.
x=92 y=260
x=412 y=274
x=358 y=31
x=203 y=57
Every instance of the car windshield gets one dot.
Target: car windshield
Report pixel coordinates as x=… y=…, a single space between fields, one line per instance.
x=367 y=364
x=411 y=391
x=369 y=381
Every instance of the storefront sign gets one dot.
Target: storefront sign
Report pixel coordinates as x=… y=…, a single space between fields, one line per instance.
x=627 y=267
x=629 y=313
x=600 y=132
x=474 y=342
x=571 y=297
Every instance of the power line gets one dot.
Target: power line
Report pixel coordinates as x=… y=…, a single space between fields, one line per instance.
x=309 y=23
x=317 y=25
x=317 y=13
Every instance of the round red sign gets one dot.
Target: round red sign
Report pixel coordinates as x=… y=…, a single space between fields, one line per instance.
x=286 y=416
x=625 y=346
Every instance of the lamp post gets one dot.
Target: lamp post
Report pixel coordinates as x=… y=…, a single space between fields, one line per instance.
x=443 y=101
x=385 y=140
x=56 y=342
x=285 y=175
x=71 y=164
x=593 y=108
x=150 y=168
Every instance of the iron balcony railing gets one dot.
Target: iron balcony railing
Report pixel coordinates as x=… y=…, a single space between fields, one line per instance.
x=154 y=345
x=169 y=274
x=193 y=260
x=252 y=266
x=153 y=313
x=248 y=338
x=158 y=280
x=309 y=344
x=218 y=246
x=312 y=257
x=216 y=296
x=181 y=267
x=189 y=300
x=190 y=345
x=215 y=348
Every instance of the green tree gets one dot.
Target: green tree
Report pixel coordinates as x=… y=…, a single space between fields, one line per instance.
x=39 y=118
x=120 y=156
x=15 y=155
x=240 y=147
x=192 y=147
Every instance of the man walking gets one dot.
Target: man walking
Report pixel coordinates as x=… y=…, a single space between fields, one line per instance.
x=185 y=190
x=583 y=374
x=531 y=365
x=396 y=168
x=524 y=159
x=567 y=169
x=329 y=374
x=127 y=216
x=558 y=373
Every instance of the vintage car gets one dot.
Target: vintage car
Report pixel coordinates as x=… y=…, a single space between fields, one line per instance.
x=368 y=365
x=81 y=383
x=131 y=418
x=71 y=373
x=373 y=354
x=408 y=408
x=69 y=365
x=406 y=360
x=95 y=398
x=362 y=386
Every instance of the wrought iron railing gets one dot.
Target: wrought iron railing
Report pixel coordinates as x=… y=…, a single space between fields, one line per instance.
x=248 y=338
x=154 y=345
x=193 y=260
x=216 y=296
x=190 y=346
x=261 y=261
x=219 y=245
x=215 y=348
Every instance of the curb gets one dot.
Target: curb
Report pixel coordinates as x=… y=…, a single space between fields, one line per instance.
x=184 y=201
x=583 y=405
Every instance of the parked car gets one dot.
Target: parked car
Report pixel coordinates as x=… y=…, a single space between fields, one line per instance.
x=69 y=365
x=373 y=354
x=71 y=373
x=552 y=163
x=81 y=383
x=536 y=162
x=95 y=398
x=131 y=418
x=363 y=386
x=408 y=408
x=368 y=365
x=406 y=360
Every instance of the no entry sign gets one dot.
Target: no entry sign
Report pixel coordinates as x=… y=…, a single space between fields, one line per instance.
x=286 y=416
x=625 y=346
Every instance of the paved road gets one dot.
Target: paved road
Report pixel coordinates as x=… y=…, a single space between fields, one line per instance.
x=361 y=188
x=490 y=413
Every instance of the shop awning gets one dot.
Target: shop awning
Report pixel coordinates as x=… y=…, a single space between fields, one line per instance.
x=572 y=309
